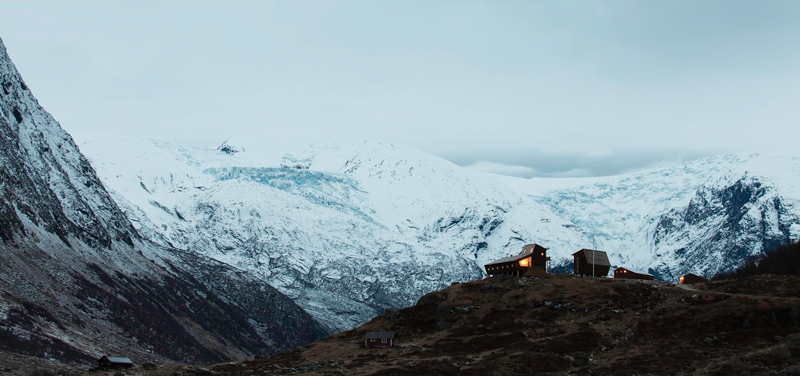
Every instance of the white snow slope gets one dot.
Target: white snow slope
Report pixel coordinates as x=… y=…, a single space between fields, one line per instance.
x=349 y=229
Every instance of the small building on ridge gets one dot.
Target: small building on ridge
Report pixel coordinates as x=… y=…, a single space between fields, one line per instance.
x=690 y=278
x=591 y=262
x=114 y=362
x=630 y=274
x=532 y=260
x=379 y=339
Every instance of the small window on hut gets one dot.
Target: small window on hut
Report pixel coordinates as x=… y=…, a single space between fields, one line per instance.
x=383 y=340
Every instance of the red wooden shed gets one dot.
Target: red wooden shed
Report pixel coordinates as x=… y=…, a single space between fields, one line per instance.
x=379 y=339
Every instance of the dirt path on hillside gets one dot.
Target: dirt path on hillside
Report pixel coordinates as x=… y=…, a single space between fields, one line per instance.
x=751 y=296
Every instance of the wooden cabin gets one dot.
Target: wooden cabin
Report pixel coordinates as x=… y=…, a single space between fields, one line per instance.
x=379 y=339
x=114 y=362
x=591 y=262
x=532 y=260
x=626 y=273
x=690 y=278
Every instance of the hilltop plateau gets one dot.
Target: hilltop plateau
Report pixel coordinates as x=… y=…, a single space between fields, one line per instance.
x=563 y=325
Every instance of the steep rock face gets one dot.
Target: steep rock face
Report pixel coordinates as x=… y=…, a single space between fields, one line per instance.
x=45 y=178
x=723 y=227
x=78 y=281
x=705 y=216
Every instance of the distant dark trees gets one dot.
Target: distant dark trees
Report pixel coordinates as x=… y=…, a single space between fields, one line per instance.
x=781 y=260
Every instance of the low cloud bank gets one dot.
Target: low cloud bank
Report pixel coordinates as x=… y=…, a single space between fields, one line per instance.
x=529 y=164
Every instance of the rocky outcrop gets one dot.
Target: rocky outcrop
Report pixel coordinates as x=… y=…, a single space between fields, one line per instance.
x=722 y=228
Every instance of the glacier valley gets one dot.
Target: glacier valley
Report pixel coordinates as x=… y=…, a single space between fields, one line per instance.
x=349 y=229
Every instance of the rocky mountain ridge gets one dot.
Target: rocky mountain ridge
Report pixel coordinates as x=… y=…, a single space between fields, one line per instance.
x=78 y=281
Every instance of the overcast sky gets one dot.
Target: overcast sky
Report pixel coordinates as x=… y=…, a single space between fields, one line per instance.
x=528 y=88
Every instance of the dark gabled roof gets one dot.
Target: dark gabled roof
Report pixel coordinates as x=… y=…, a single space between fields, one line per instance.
x=633 y=271
x=118 y=359
x=508 y=259
x=379 y=335
x=535 y=247
x=599 y=257
x=693 y=275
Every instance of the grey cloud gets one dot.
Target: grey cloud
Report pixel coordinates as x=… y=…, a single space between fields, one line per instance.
x=532 y=163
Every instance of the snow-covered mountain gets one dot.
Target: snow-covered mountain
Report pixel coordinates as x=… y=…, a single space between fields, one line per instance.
x=79 y=282
x=704 y=216
x=344 y=230
x=349 y=229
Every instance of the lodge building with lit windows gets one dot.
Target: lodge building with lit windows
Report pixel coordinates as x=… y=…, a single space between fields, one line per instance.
x=532 y=260
x=625 y=273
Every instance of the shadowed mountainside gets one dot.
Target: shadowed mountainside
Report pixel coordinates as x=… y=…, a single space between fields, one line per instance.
x=783 y=260
x=78 y=281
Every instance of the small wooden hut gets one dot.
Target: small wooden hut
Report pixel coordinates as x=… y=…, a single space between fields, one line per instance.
x=114 y=362
x=379 y=339
x=626 y=273
x=690 y=278
x=591 y=262
x=532 y=260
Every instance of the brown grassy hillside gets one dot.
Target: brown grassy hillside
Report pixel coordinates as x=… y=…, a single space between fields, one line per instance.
x=560 y=325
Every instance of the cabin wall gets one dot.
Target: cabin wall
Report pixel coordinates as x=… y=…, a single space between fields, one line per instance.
x=691 y=279
x=582 y=266
x=376 y=342
x=539 y=258
x=632 y=275
x=507 y=269
x=109 y=365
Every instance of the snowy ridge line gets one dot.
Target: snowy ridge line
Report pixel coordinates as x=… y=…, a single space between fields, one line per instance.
x=350 y=229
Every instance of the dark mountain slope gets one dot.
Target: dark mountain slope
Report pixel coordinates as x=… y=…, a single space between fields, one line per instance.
x=783 y=260
x=77 y=280
x=561 y=324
